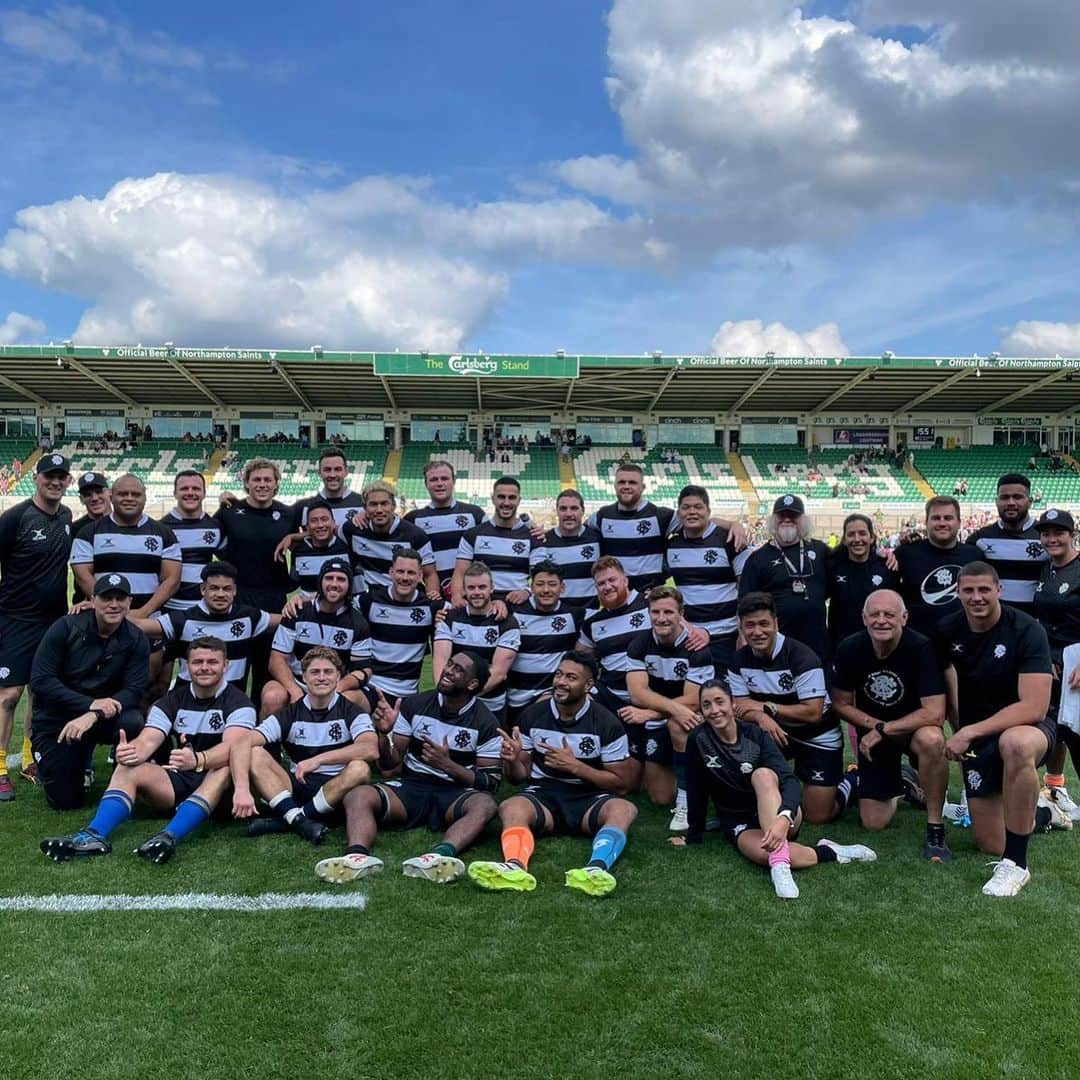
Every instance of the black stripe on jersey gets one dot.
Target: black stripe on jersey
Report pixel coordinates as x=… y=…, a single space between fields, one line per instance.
x=444 y=526
x=609 y=632
x=574 y=555
x=203 y=721
x=545 y=637
x=637 y=538
x=401 y=633
x=200 y=539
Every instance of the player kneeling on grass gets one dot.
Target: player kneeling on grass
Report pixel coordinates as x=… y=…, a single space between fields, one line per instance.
x=208 y=716
x=577 y=757
x=329 y=741
x=755 y=793
x=444 y=745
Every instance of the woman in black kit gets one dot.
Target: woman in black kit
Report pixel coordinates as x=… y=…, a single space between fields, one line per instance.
x=855 y=570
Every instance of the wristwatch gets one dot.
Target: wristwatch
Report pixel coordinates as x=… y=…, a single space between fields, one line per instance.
x=98 y=713
x=770 y=708
x=879 y=727
x=788 y=814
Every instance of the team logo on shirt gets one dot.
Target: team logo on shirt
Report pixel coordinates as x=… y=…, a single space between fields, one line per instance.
x=1034 y=550
x=746 y=767
x=558 y=624
x=416 y=615
x=884 y=687
x=876 y=579
x=643 y=528
x=519 y=547
x=1063 y=588
x=461 y=739
x=999 y=651
x=335 y=731
x=939 y=586
x=275 y=515
x=682 y=668
x=461 y=521
x=4 y=672
x=216 y=721
x=209 y=537
x=236 y=629
x=637 y=619
x=341 y=639
x=711 y=556
x=588 y=552
x=587 y=745
x=491 y=635
x=150 y=543
x=786 y=681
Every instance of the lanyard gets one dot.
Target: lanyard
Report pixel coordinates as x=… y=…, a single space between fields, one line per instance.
x=792 y=572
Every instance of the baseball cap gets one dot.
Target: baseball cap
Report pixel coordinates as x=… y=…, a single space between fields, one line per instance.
x=1056 y=519
x=92 y=479
x=340 y=566
x=791 y=504
x=52 y=463
x=112 y=583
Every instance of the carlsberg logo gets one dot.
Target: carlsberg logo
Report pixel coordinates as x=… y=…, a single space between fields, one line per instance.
x=473 y=365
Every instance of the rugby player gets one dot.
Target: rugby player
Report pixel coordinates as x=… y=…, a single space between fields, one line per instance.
x=35 y=541
x=778 y=683
x=344 y=503
x=888 y=684
x=739 y=769
x=575 y=756
x=96 y=500
x=206 y=716
x=198 y=534
x=309 y=553
x=573 y=546
x=664 y=677
x=330 y=743
x=443 y=746
x=998 y=678
x=502 y=542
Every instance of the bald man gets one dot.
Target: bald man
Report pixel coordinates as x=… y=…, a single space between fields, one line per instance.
x=889 y=685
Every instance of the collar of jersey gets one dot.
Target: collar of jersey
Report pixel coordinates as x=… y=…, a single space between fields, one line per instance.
x=395 y=522
x=306 y=701
x=562 y=536
x=678 y=641
x=201 y=605
x=642 y=503
x=337 y=498
x=710 y=528
x=337 y=611
x=452 y=505
x=780 y=639
x=464 y=708
x=142 y=521
x=577 y=716
x=218 y=690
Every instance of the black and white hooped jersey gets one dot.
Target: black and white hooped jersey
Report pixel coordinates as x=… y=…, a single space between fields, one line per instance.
x=1017 y=556
x=595 y=736
x=345 y=630
x=706 y=571
x=202 y=721
x=305 y=731
x=574 y=556
x=344 y=507
x=200 y=540
x=401 y=633
x=136 y=551
x=505 y=552
x=238 y=627
x=444 y=527
x=372 y=552
x=637 y=538
x=471 y=735
x=546 y=636
x=608 y=632
x=307 y=561
x=791 y=675
x=669 y=667
x=480 y=635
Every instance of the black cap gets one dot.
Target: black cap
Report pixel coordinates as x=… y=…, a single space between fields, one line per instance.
x=52 y=463
x=92 y=479
x=1056 y=519
x=112 y=583
x=336 y=565
x=790 y=504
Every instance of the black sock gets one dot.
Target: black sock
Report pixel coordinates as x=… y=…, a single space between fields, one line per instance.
x=847 y=791
x=825 y=853
x=357 y=849
x=1016 y=848
x=1042 y=819
x=935 y=834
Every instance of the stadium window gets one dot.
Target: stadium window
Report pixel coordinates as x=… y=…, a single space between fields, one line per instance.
x=356 y=428
x=269 y=424
x=451 y=429
x=91 y=423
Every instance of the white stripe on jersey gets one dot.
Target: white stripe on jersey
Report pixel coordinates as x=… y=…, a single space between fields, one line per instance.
x=394 y=687
x=463 y=739
x=665 y=667
x=778 y=683
x=604 y=628
x=123 y=543
x=627 y=528
x=200 y=721
x=315 y=735
x=1018 y=592
x=610 y=753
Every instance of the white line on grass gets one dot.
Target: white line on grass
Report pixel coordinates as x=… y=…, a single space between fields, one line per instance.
x=14 y=761
x=73 y=904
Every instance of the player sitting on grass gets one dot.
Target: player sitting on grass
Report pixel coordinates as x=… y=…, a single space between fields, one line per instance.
x=329 y=741
x=444 y=745
x=576 y=755
x=755 y=793
x=208 y=716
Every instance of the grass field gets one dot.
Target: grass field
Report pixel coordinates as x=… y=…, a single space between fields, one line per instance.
x=692 y=968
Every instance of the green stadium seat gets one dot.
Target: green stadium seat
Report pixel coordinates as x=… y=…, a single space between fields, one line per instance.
x=537 y=470
x=982 y=465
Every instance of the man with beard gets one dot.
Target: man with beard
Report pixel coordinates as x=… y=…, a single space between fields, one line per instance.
x=573 y=547
x=35 y=541
x=502 y=543
x=198 y=534
x=444 y=520
x=793 y=570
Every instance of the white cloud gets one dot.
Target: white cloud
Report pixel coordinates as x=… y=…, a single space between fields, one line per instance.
x=1037 y=338
x=206 y=260
x=752 y=337
x=17 y=329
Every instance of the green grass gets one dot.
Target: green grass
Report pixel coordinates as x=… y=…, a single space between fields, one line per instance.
x=691 y=969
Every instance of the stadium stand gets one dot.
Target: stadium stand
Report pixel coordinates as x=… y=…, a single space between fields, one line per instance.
x=776 y=469
x=300 y=466
x=982 y=465
x=696 y=464
x=537 y=469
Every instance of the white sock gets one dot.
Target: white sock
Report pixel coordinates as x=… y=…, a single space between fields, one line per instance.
x=680 y=799
x=320 y=803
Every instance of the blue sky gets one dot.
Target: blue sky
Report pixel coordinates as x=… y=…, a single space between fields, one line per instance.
x=615 y=177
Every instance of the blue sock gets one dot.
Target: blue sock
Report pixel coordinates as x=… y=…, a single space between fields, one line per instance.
x=190 y=814
x=607 y=846
x=680 y=769
x=113 y=810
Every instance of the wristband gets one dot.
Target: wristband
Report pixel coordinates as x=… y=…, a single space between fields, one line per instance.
x=787 y=814
x=879 y=727
x=98 y=713
x=769 y=708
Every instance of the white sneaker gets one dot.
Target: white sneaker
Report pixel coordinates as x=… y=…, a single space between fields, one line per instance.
x=953 y=811
x=344 y=868
x=1062 y=798
x=1008 y=879
x=1059 y=819
x=431 y=867
x=846 y=853
x=783 y=882
x=679 y=821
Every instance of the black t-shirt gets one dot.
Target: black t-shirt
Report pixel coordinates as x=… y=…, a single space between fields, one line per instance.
x=1057 y=605
x=251 y=534
x=796 y=577
x=850 y=583
x=891 y=687
x=34 y=550
x=928 y=578
x=988 y=665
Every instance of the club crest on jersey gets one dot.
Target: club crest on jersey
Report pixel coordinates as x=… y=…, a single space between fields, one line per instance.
x=786 y=681
x=884 y=688
x=216 y=721
x=335 y=731
x=276 y=515
x=682 y=668
x=588 y=552
x=341 y=639
x=587 y=745
x=1063 y=588
x=637 y=619
x=558 y=624
x=643 y=528
x=939 y=586
x=1034 y=550
x=491 y=635
x=461 y=521
x=462 y=739
x=4 y=672
x=999 y=651
x=209 y=537
x=745 y=768
x=876 y=579
x=236 y=629
x=416 y=615
x=711 y=556
x=150 y=543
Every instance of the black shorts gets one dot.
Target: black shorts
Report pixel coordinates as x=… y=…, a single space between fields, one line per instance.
x=815 y=766
x=880 y=773
x=572 y=811
x=184 y=783
x=432 y=804
x=983 y=768
x=304 y=790
x=734 y=825
x=651 y=745
x=19 y=639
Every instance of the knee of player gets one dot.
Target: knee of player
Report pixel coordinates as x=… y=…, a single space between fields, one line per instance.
x=516 y=811
x=481 y=806
x=357 y=772
x=873 y=823
x=1015 y=748
x=764 y=779
x=928 y=741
